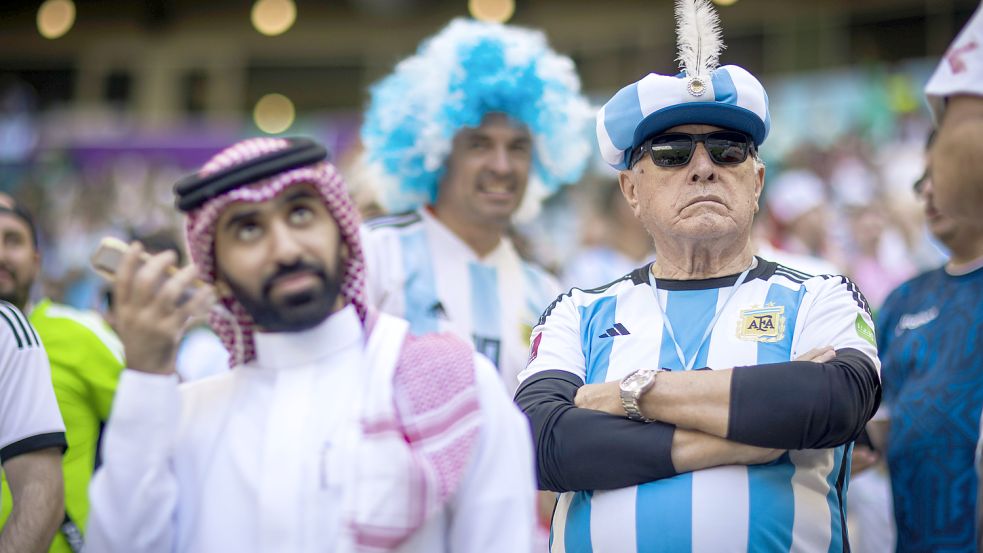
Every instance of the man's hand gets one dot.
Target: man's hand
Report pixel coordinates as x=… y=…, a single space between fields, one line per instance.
x=152 y=309
x=604 y=397
x=862 y=459
x=818 y=355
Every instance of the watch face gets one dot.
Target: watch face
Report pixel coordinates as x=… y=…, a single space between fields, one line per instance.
x=636 y=381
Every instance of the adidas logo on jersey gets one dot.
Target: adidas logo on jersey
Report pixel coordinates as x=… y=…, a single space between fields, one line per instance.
x=617 y=330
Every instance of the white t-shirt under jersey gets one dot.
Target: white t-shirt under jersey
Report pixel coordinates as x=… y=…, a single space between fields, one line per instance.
x=419 y=270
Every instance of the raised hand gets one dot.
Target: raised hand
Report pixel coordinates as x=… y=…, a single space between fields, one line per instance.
x=152 y=304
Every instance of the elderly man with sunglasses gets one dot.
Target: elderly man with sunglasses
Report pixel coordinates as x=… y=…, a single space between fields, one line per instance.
x=707 y=401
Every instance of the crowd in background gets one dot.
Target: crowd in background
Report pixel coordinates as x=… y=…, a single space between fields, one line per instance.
x=847 y=201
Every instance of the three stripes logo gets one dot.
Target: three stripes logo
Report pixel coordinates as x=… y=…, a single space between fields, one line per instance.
x=22 y=330
x=617 y=330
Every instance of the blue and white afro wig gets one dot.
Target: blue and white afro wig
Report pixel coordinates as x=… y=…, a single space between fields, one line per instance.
x=465 y=71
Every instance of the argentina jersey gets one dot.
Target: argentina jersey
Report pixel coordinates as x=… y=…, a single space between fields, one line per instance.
x=419 y=270
x=795 y=503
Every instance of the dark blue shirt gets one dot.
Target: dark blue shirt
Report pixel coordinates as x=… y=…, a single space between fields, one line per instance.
x=930 y=339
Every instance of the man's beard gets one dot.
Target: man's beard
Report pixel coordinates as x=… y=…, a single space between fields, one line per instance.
x=292 y=312
x=17 y=292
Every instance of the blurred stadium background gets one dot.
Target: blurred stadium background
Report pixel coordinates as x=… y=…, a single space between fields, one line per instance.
x=104 y=104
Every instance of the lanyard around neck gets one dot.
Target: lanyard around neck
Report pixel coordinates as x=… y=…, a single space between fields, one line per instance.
x=668 y=326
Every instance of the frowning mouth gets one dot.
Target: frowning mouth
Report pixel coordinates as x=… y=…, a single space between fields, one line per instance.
x=703 y=199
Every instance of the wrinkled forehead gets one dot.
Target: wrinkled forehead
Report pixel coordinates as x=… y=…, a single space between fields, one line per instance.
x=695 y=128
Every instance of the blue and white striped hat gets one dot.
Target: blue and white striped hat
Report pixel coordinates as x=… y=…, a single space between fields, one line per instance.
x=733 y=98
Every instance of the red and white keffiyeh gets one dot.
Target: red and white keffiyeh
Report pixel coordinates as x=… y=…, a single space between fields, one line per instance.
x=434 y=396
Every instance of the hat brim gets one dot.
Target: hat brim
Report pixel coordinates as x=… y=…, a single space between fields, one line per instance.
x=726 y=116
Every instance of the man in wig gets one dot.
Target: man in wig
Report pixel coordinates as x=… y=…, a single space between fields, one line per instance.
x=336 y=430
x=707 y=401
x=479 y=126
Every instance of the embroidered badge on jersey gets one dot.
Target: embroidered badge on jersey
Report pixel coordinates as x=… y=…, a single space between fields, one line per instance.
x=865 y=331
x=534 y=348
x=762 y=324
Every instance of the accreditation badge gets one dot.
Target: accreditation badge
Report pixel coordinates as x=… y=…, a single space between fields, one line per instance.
x=762 y=324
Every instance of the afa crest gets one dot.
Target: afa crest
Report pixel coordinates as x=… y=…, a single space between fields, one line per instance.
x=762 y=324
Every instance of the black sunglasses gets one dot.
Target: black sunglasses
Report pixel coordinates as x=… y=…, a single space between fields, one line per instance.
x=675 y=149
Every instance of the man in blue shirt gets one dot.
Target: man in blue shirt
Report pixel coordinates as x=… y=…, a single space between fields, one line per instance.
x=929 y=335
x=931 y=327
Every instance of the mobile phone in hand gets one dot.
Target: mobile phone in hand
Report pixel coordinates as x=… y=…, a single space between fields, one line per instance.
x=109 y=255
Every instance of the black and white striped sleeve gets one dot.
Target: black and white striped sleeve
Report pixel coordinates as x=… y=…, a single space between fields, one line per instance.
x=29 y=416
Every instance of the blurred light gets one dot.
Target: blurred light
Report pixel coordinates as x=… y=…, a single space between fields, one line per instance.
x=725 y=2
x=274 y=17
x=274 y=113
x=55 y=18
x=495 y=11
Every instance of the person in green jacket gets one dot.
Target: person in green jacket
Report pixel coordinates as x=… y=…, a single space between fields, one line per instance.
x=86 y=359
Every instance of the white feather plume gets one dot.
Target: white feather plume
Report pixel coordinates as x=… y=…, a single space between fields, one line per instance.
x=698 y=37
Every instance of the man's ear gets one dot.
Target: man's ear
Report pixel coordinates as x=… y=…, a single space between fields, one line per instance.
x=626 y=179
x=759 y=185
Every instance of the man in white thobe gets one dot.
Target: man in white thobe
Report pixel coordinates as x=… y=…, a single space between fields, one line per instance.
x=336 y=431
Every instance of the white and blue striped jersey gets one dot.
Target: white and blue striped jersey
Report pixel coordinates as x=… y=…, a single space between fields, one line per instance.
x=793 y=504
x=421 y=271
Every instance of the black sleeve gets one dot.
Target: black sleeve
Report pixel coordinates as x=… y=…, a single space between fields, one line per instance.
x=804 y=405
x=34 y=443
x=583 y=449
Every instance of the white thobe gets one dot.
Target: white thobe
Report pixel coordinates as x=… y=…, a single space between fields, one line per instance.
x=247 y=460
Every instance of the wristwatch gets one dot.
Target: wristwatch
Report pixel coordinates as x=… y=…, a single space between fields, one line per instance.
x=632 y=388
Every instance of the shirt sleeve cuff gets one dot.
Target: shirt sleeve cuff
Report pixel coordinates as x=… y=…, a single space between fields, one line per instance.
x=34 y=443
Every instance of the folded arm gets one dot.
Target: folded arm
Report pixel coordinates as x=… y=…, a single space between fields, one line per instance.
x=585 y=449
x=790 y=405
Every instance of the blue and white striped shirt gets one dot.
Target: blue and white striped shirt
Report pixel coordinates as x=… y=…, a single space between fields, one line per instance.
x=421 y=271
x=795 y=503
